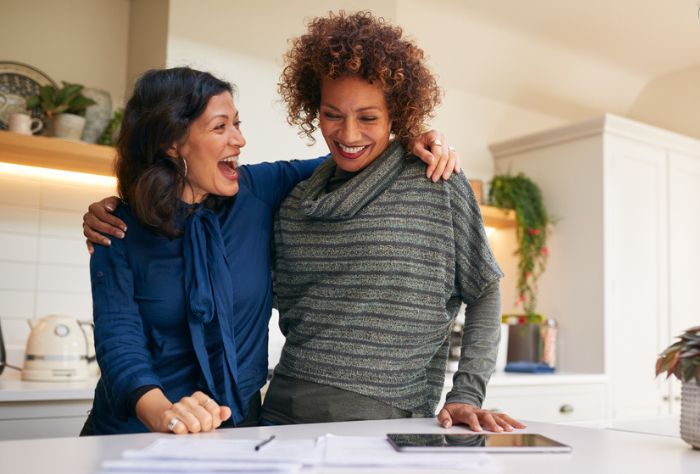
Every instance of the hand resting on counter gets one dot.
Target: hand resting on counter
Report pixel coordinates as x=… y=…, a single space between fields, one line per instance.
x=196 y=413
x=477 y=419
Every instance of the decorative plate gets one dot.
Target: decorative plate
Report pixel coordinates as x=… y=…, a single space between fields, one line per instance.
x=25 y=81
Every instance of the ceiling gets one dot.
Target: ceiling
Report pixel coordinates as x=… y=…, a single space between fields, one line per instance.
x=570 y=59
x=650 y=37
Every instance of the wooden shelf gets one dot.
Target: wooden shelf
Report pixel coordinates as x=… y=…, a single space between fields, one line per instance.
x=55 y=153
x=497 y=217
x=48 y=152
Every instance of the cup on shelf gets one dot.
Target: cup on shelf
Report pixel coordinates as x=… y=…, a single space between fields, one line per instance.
x=24 y=124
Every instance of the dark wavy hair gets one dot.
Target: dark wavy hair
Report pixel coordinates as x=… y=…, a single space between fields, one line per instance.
x=164 y=104
x=360 y=45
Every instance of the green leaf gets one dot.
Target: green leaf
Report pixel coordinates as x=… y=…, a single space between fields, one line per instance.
x=33 y=102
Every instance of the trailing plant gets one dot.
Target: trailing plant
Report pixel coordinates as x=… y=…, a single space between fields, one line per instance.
x=66 y=100
x=682 y=358
x=520 y=193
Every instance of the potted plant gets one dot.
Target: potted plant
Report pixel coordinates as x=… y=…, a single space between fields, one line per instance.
x=64 y=107
x=520 y=193
x=682 y=359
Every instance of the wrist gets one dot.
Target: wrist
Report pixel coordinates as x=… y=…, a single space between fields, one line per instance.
x=150 y=407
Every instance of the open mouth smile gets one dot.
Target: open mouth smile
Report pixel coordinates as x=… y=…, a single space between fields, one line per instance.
x=229 y=167
x=350 y=152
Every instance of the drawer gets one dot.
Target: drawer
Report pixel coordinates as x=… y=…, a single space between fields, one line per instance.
x=550 y=403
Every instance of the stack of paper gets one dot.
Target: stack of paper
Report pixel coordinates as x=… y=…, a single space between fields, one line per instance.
x=186 y=454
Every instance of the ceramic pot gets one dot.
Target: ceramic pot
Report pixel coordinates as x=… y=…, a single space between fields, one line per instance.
x=98 y=115
x=69 y=126
x=690 y=413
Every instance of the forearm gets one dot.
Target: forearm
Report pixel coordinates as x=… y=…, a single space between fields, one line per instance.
x=479 y=348
x=151 y=406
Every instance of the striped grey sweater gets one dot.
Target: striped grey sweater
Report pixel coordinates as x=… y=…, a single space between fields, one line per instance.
x=370 y=276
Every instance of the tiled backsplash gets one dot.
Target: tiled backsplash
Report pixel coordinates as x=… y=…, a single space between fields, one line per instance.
x=43 y=258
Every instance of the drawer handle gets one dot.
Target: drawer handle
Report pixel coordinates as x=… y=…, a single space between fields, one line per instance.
x=566 y=409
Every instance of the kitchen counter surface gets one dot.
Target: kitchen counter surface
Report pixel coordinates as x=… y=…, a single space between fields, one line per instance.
x=594 y=450
x=14 y=389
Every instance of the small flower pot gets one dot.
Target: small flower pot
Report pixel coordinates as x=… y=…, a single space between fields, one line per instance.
x=68 y=126
x=690 y=413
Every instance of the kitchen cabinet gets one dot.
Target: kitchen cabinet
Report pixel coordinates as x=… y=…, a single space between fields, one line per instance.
x=552 y=398
x=42 y=409
x=622 y=273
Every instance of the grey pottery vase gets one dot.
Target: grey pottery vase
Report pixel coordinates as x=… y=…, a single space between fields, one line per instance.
x=98 y=115
x=690 y=413
x=68 y=126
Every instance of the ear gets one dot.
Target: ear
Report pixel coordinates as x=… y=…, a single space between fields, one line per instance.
x=172 y=152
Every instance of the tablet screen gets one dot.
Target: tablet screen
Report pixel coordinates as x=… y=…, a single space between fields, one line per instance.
x=496 y=442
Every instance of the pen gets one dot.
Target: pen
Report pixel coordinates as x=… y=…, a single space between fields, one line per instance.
x=264 y=442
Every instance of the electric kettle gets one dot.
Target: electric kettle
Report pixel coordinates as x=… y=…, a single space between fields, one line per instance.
x=57 y=350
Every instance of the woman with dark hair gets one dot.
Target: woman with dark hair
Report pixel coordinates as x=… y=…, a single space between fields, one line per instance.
x=182 y=303
x=174 y=360
x=372 y=261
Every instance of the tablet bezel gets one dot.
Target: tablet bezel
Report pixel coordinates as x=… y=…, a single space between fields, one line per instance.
x=546 y=444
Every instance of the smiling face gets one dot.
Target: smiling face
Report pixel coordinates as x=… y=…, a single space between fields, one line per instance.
x=354 y=121
x=211 y=150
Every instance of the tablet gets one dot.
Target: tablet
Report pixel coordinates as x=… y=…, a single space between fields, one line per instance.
x=468 y=442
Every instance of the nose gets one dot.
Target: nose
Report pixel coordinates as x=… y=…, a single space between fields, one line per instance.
x=236 y=138
x=350 y=132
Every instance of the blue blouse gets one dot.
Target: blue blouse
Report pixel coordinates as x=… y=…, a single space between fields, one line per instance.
x=190 y=313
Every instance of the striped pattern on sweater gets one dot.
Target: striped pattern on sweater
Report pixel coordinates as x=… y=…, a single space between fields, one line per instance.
x=370 y=276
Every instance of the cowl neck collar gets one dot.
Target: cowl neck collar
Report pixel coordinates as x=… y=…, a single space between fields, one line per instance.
x=351 y=197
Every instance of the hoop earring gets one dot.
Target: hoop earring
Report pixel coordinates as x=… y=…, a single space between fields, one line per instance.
x=184 y=162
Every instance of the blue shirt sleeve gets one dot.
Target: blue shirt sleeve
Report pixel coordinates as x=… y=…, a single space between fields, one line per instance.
x=121 y=345
x=271 y=182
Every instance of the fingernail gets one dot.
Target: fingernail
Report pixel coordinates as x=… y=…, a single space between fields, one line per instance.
x=446 y=425
x=107 y=242
x=121 y=235
x=124 y=228
x=110 y=208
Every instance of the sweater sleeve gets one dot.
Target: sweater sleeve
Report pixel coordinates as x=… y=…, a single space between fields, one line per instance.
x=121 y=345
x=271 y=182
x=477 y=281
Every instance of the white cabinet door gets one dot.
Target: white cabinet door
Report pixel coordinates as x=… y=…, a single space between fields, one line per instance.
x=684 y=251
x=636 y=268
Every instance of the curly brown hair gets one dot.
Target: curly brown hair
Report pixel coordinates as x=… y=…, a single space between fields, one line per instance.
x=362 y=45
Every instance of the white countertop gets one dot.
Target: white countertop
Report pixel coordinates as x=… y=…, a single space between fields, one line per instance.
x=502 y=379
x=14 y=389
x=598 y=451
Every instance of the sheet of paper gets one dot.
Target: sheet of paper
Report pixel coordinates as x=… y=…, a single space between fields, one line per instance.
x=302 y=451
x=133 y=466
x=362 y=451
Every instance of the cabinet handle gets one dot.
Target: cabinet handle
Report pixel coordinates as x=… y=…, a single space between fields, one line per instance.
x=566 y=409
x=677 y=398
x=666 y=398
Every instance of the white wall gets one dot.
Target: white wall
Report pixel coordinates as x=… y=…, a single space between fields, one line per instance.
x=244 y=43
x=81 y=41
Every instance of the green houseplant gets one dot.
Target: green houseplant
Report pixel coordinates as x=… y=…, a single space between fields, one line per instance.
x=520 y=193
x=64 y=107
x=682 y=359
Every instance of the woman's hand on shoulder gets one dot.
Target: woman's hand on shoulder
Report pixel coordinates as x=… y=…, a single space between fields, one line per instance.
x=98 y=219
x=432 y=148
x=196 y=413
x=477 y=419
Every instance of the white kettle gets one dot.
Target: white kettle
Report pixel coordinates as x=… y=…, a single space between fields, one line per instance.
x=58 y=349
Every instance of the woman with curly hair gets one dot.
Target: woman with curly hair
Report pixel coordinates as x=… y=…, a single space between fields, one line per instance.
x=372 y=261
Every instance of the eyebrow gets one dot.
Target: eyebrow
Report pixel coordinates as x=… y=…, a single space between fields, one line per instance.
x=222 y=116
x=361 y=109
